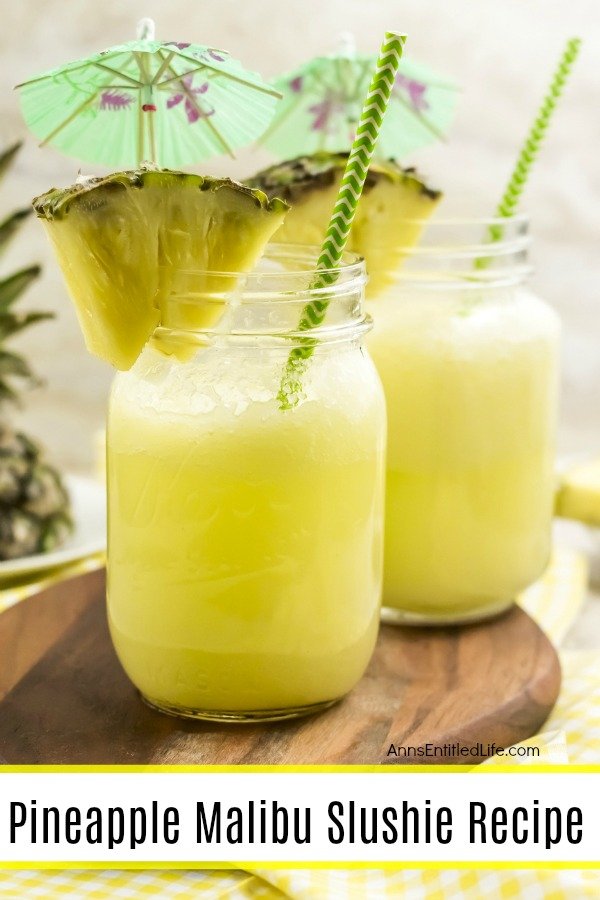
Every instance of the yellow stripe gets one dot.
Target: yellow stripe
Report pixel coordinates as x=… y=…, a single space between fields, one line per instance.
x=396 y=769
x=196 y=865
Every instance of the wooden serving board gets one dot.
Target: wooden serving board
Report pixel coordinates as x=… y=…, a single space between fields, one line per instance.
x=65 y=698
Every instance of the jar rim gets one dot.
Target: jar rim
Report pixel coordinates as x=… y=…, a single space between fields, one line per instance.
x=470 y=238
x=467 y=253
x=351 y=269
x=519 y=220
x=271 y=300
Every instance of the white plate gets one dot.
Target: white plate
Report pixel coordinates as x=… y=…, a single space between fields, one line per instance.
x=88 y=501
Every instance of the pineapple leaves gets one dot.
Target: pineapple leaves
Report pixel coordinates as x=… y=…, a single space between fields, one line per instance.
x=13 y=364
x=12 y=287
x=7 y=394
x=35 y=514
x=11 y=223
x=7 y=156
x=11 y=324
x=10 y=226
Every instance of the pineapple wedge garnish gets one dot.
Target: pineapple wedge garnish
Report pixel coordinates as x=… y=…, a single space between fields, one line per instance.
x=389 y=219
x=126 y=241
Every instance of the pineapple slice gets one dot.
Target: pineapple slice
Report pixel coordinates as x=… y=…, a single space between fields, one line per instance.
x=126 y=241
x=389 y=219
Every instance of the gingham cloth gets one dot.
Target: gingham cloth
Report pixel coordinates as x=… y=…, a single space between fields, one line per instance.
x=572 y=734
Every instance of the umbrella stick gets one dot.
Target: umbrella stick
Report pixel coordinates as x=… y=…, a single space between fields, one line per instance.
x=116 y=72
x=175 y=77
x=70 y=118
x=212 y=127
x=276 y=124
x=421 y=118
x=140 y=133
x=44 y=75
x=259 y=87
x=147 y=111
x=202 y=117
x=322 y=140
x=212 y=74
x=152 y=136
x=141 y=61
x=166 y=62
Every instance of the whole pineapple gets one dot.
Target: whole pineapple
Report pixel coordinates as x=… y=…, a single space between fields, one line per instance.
x=34 y=505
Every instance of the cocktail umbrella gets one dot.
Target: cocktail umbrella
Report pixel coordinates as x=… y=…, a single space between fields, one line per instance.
x=146 y=100
x=322 y=102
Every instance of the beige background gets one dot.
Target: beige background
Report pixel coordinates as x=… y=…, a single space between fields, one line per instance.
x=501 y=51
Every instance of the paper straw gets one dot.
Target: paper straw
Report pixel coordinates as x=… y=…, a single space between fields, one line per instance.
x=342 y=217
x=512 y=195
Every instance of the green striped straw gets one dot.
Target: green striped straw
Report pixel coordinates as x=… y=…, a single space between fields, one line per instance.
x=342 y=217
x=512 y=195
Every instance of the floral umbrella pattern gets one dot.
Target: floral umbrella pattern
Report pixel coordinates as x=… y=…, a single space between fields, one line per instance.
x=115 y=100
x=327 y=111
x=415 y=91
x=192 y=111
x=322 y=101
x=172 y=103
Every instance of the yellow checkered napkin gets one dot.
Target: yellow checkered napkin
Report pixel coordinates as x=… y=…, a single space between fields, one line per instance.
x=572 y=734
x=303 y=885
x=577 y=713
x=152 y=885
x=433 y=885
x=556 y=599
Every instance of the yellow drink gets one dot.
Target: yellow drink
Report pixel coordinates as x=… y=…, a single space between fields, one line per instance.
x=470 y=379
x=245 y=543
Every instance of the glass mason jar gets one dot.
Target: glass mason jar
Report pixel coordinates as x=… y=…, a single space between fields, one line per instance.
x=246 y=540
x=468 y=357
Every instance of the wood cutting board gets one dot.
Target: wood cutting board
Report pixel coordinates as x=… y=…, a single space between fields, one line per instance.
x=65 y=698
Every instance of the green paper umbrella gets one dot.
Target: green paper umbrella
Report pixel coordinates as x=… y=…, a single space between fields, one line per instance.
x=146 y=100
x=322 y=101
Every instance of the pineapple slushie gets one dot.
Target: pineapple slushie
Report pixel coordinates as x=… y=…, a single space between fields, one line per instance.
x=470 y=377
x=245 y=541
x=245 y=537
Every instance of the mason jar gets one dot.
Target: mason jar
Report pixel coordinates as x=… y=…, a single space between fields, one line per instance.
x=468 y=357
x=245 y=535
